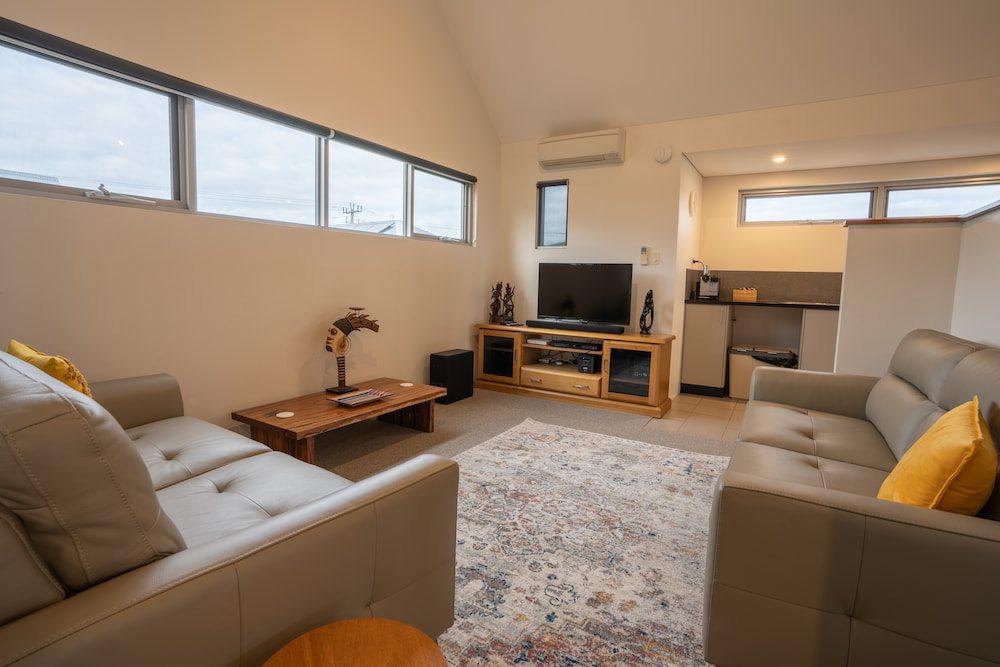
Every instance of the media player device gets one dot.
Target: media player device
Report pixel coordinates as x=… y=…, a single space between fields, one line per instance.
x=573 y=345
x=586 y=363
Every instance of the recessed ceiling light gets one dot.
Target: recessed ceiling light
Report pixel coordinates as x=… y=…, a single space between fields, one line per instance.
x=778 y=159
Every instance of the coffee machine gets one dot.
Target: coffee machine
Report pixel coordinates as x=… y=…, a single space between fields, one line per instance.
x=708 y=285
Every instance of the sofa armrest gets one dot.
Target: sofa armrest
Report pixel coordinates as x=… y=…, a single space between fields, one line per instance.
x=836 y=393
x=140 y=400
x=384 y=547
x=823 y=572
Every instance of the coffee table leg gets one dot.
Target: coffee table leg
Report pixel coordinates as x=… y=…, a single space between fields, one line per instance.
x=304 y=450
x=419 y=417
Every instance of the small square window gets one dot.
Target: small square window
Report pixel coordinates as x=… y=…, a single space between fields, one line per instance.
x=367 y=191
x=440 y=206
x=254 y=168
x=553 y=213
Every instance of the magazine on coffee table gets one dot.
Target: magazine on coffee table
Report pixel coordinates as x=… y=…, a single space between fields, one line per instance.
x=360 y=397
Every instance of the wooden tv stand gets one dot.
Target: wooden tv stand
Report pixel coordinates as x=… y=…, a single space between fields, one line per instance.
x=633 y=369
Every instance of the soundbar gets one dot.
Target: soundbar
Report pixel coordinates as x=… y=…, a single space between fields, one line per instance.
x=567 y=325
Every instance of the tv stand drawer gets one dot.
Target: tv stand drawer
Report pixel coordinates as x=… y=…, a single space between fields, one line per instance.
x=566 y=382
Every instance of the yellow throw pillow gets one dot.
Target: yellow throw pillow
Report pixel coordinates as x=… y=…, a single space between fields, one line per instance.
x=952 y=467
x=60 y=368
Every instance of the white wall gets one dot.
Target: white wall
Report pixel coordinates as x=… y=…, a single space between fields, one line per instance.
x=688 y=243
x=976 y=313
x=897 y=278
x=238 y=310
x=725 y=245
x=614 y=210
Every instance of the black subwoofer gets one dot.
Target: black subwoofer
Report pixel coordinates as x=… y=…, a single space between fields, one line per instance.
x=453 y=371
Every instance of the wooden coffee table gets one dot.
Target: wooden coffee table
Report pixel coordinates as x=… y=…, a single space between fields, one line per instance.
x=315 y=414
x=373 y=642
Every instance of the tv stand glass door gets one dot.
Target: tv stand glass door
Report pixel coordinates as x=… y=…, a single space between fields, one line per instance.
x=629 y=371
x=500 y=356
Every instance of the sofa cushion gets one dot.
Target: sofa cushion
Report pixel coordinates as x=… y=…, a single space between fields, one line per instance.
x=976 y=375
x=75 y=481
x=244 y=493
x=182 y=447
x=58 y=367
x=926 y=358
x=27 y=584
x=900 y=412
x=951 y=467
x=979 y=374
x=790 y=466
x=830 y=436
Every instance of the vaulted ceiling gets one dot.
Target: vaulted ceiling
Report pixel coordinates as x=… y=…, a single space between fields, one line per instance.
x=547 y=67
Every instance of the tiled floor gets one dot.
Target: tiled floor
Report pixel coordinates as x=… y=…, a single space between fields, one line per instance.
x=702 y=415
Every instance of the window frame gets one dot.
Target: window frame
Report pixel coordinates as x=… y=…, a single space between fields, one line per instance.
x=879 y=202
x=181 y=96
x=176 y=136
x=410 y=222
x=760 y=193
x=539 y=213
x=319 y=167
x=932 y=183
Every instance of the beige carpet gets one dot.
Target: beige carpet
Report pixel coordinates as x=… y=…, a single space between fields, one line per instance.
x=361 y=450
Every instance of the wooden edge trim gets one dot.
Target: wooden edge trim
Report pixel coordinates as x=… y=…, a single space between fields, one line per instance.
x=940 y=219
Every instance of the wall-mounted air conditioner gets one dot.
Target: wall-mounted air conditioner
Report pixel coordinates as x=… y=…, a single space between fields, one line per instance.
x=604 y=147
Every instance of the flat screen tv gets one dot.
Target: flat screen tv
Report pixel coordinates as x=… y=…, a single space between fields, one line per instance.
x=588 y=292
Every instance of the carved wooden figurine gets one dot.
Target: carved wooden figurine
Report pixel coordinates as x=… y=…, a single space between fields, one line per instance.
x=496 y=308
x=508 y=303
x=337 y=342
x=646 y=320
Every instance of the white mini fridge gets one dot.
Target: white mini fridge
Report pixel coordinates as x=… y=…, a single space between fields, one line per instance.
x=743 y=359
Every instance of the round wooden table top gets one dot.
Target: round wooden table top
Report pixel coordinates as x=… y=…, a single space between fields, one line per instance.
x=376 y=642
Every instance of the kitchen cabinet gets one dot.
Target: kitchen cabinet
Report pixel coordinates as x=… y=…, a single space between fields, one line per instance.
x=707 y=334
x=818 y=346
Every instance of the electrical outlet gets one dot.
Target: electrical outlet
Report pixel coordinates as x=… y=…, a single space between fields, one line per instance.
x=654 y=257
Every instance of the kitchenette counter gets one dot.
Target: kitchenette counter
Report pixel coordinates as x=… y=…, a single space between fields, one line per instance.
x=778 y=304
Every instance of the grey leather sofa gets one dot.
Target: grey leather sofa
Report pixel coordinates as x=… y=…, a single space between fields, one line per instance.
x=807 y=567
x=262 y=547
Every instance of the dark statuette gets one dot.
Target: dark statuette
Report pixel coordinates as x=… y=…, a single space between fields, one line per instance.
x=496 y=307
x=646 y=319
x=508 y=303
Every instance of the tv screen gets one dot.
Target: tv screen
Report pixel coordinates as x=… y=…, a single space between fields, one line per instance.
x=589 y=292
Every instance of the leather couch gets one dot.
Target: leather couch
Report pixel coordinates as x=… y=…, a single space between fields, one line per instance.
x=224 y=550
x=806 y=566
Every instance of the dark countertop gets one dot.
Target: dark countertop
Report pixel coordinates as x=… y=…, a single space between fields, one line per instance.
x=778 y=304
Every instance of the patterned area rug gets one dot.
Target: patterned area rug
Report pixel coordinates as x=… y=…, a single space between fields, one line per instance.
x=577 y=548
